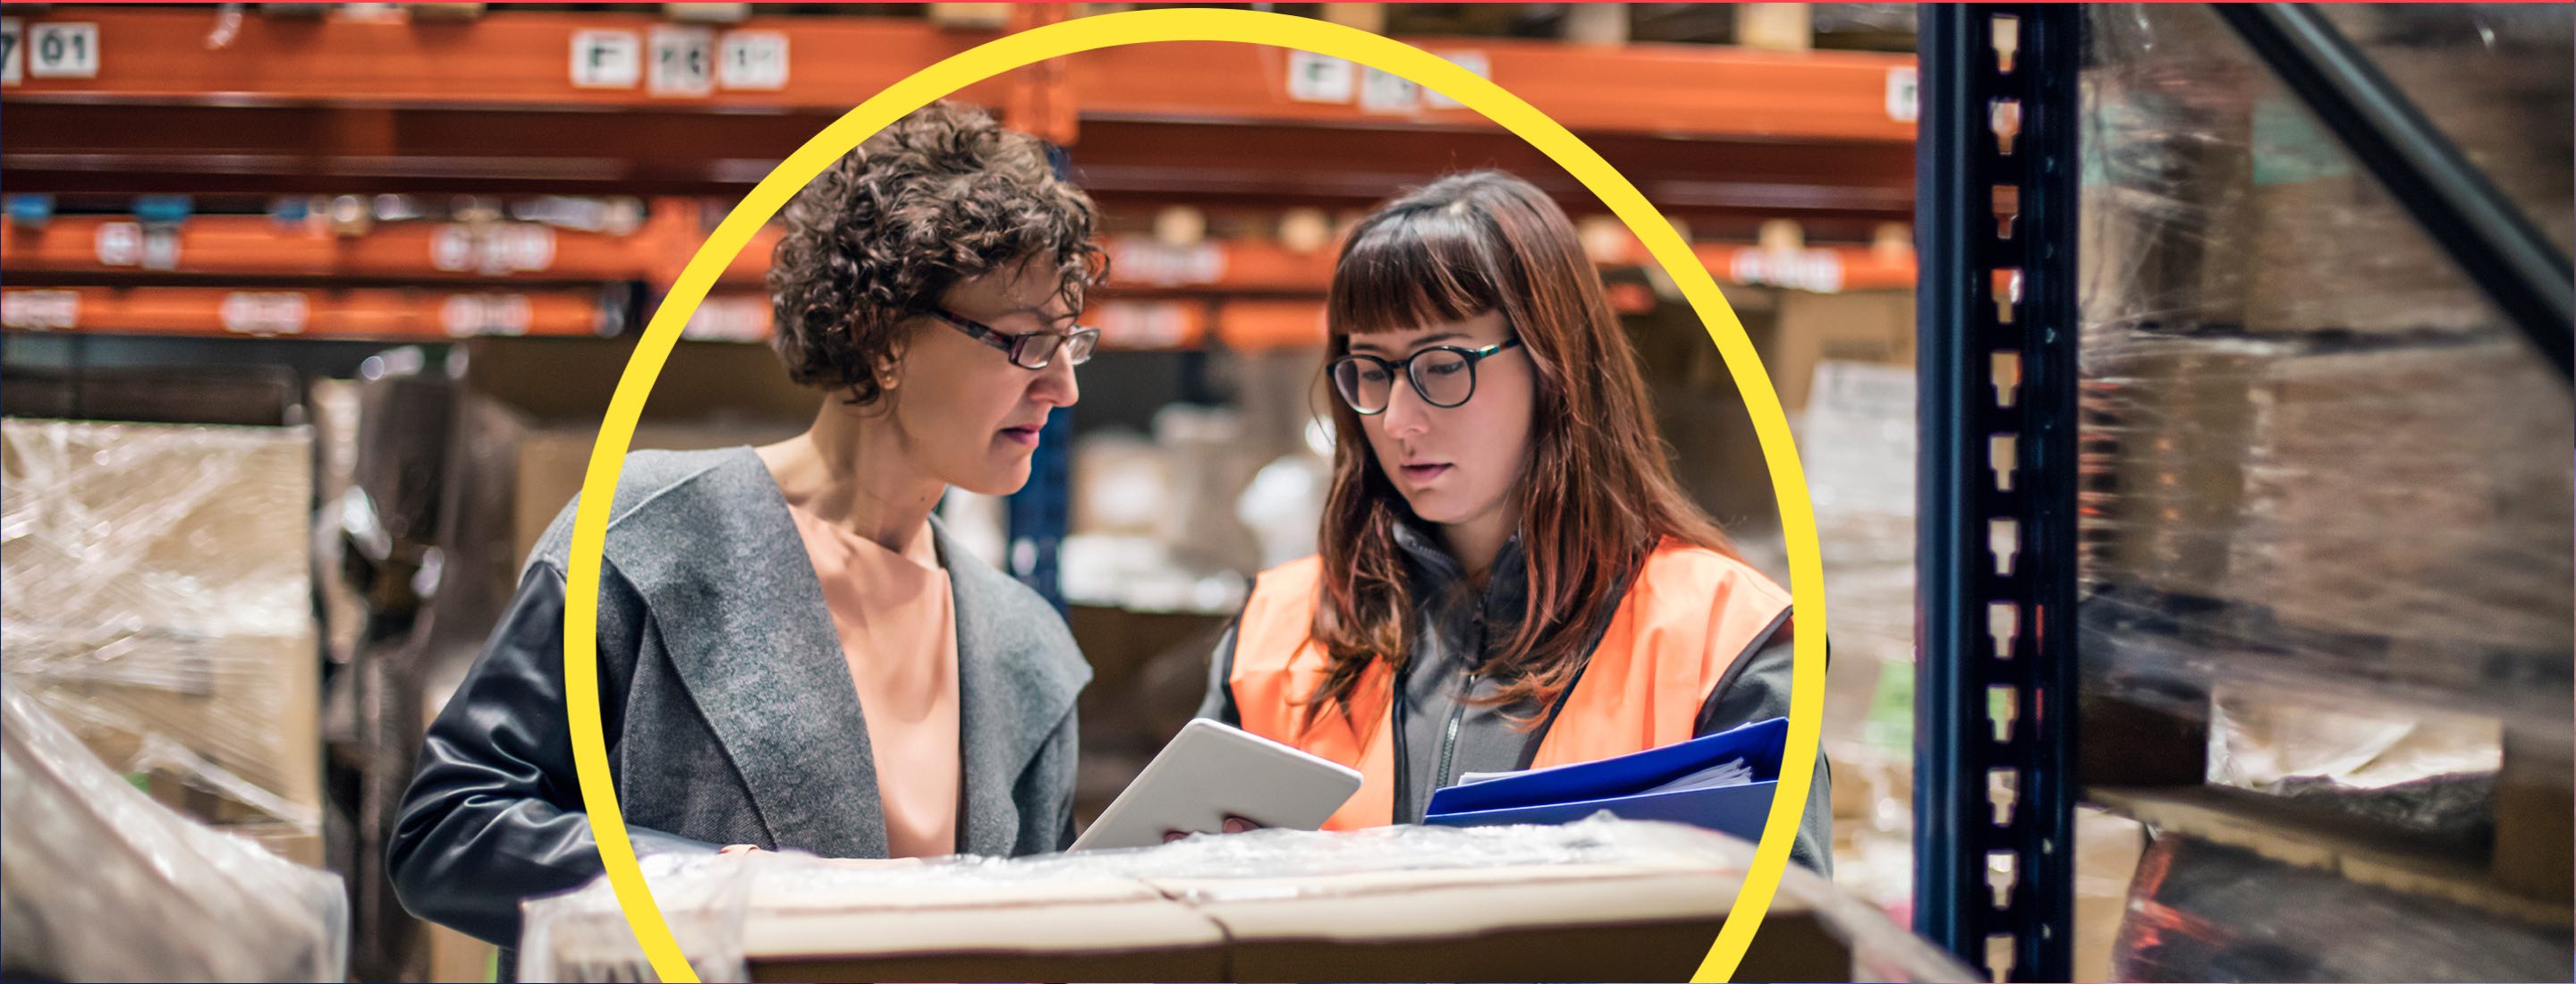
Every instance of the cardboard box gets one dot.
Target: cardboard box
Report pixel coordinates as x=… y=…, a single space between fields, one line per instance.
x=1601 y=900
x=1869 y=326
x=1563 y=922
x=158 y=599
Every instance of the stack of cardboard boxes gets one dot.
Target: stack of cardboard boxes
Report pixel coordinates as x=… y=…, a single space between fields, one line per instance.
x=158 y=601
x=2314 y=457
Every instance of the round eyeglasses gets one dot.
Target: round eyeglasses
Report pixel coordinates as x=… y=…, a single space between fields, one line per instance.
x=1444 y=375
x=1028 y=349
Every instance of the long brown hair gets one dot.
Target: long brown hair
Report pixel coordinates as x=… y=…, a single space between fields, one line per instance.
x=1596 y=493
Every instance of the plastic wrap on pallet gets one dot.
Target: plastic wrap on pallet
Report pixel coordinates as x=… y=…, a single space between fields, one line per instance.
x=711 y=900
x=157 y=597
x=1857 y=440
x=2313 y=457
x=2213 y=200
x=101 y=883
x=2413 y=769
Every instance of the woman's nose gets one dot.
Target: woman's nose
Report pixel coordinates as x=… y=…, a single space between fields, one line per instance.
x=1055 y=384
x=1405 y=414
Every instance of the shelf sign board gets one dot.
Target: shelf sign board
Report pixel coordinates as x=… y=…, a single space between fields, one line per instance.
x=1903 y=104
x=1386 y=92
x=62 y=51
x=753 y=60
x=606 y=60
x=253 y=312
x=684 y=62
x=1473 y=61
x=120 y=244
x=40 y=310
x=467 y=315
x=1321 y=78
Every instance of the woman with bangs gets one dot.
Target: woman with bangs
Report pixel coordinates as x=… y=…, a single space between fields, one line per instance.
x=1510 y=575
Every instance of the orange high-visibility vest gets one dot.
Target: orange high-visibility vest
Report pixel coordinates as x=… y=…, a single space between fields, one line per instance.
x=1685 y=618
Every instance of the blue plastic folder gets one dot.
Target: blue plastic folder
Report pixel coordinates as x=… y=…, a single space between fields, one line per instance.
x=1634 y=787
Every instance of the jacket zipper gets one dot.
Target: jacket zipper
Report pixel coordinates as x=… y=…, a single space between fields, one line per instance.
x=1449 y=739
x=1458 y=708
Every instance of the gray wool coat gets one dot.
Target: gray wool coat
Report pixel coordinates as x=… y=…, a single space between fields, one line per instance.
x=727 y=702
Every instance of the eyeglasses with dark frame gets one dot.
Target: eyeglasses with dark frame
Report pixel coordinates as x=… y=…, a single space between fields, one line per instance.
x=1444 y=376
x=1031 y=350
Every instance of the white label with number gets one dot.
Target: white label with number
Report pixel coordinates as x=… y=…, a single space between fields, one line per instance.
x=1321 y=78
x=1386 y=92
x=120 y=244
x=684 y=62
x=729 y=319
x=465 y=315
x=251 y=312
x=40 y=310
x=62 y=51
x=12 y=33
x=1903 y=104
x=1473 y=61
x=161 y=249
x=753 y=60
x=1818 y=270
x=606 y=59
x=451 y=249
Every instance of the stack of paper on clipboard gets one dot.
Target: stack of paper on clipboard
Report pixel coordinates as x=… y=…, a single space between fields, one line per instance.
x=1722 y=782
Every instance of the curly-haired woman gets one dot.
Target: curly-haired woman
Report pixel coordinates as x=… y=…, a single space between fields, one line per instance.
x=792 y=653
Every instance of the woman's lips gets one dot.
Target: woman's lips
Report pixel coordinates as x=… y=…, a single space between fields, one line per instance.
x=1424 y=473
x=1026 y=436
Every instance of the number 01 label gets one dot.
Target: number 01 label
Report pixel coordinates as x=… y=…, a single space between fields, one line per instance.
x=62 y=51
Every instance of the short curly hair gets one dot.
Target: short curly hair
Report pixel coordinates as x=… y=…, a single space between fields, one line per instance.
x=942 y=196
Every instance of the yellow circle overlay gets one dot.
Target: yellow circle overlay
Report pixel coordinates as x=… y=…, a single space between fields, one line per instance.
x=617 y=429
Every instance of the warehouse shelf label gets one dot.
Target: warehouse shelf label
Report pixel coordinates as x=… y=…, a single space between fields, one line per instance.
x=1473 y=61
x=606 y=60
x=161 y=249
x=265 y=313
x=1818 y=270
x=1136 y=259
x=683 y=62
x=40 y=310
x=468 y=315
x=1904 y=104
x=524 y=248
x=729 y=319
x=753 y=60
x=120 y=244
x=12 y=32
x=62 y=51
x=1387 y=92
x=1321 y=78
x=1147 y=325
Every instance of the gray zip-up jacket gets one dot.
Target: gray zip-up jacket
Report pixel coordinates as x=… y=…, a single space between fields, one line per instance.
x=1439 y=735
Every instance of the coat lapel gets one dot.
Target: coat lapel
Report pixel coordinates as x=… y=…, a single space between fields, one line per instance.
x=1016 y=682
x=735 y=600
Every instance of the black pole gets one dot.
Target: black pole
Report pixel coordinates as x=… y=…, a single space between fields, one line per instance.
x=1996 y=713
x=2490 y=239
x=1950 y=906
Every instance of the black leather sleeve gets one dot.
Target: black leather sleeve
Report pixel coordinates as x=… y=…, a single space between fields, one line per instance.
x=1756 y=688
x=1219 y=703
x=493 y=814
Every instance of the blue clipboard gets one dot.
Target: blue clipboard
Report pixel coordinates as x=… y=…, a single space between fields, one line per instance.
x=1568 y=793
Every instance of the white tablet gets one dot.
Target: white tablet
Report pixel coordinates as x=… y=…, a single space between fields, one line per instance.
x=1210 y=772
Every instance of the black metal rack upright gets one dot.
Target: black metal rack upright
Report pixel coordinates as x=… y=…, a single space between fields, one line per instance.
x=1997 y=187
x=1995 y=162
